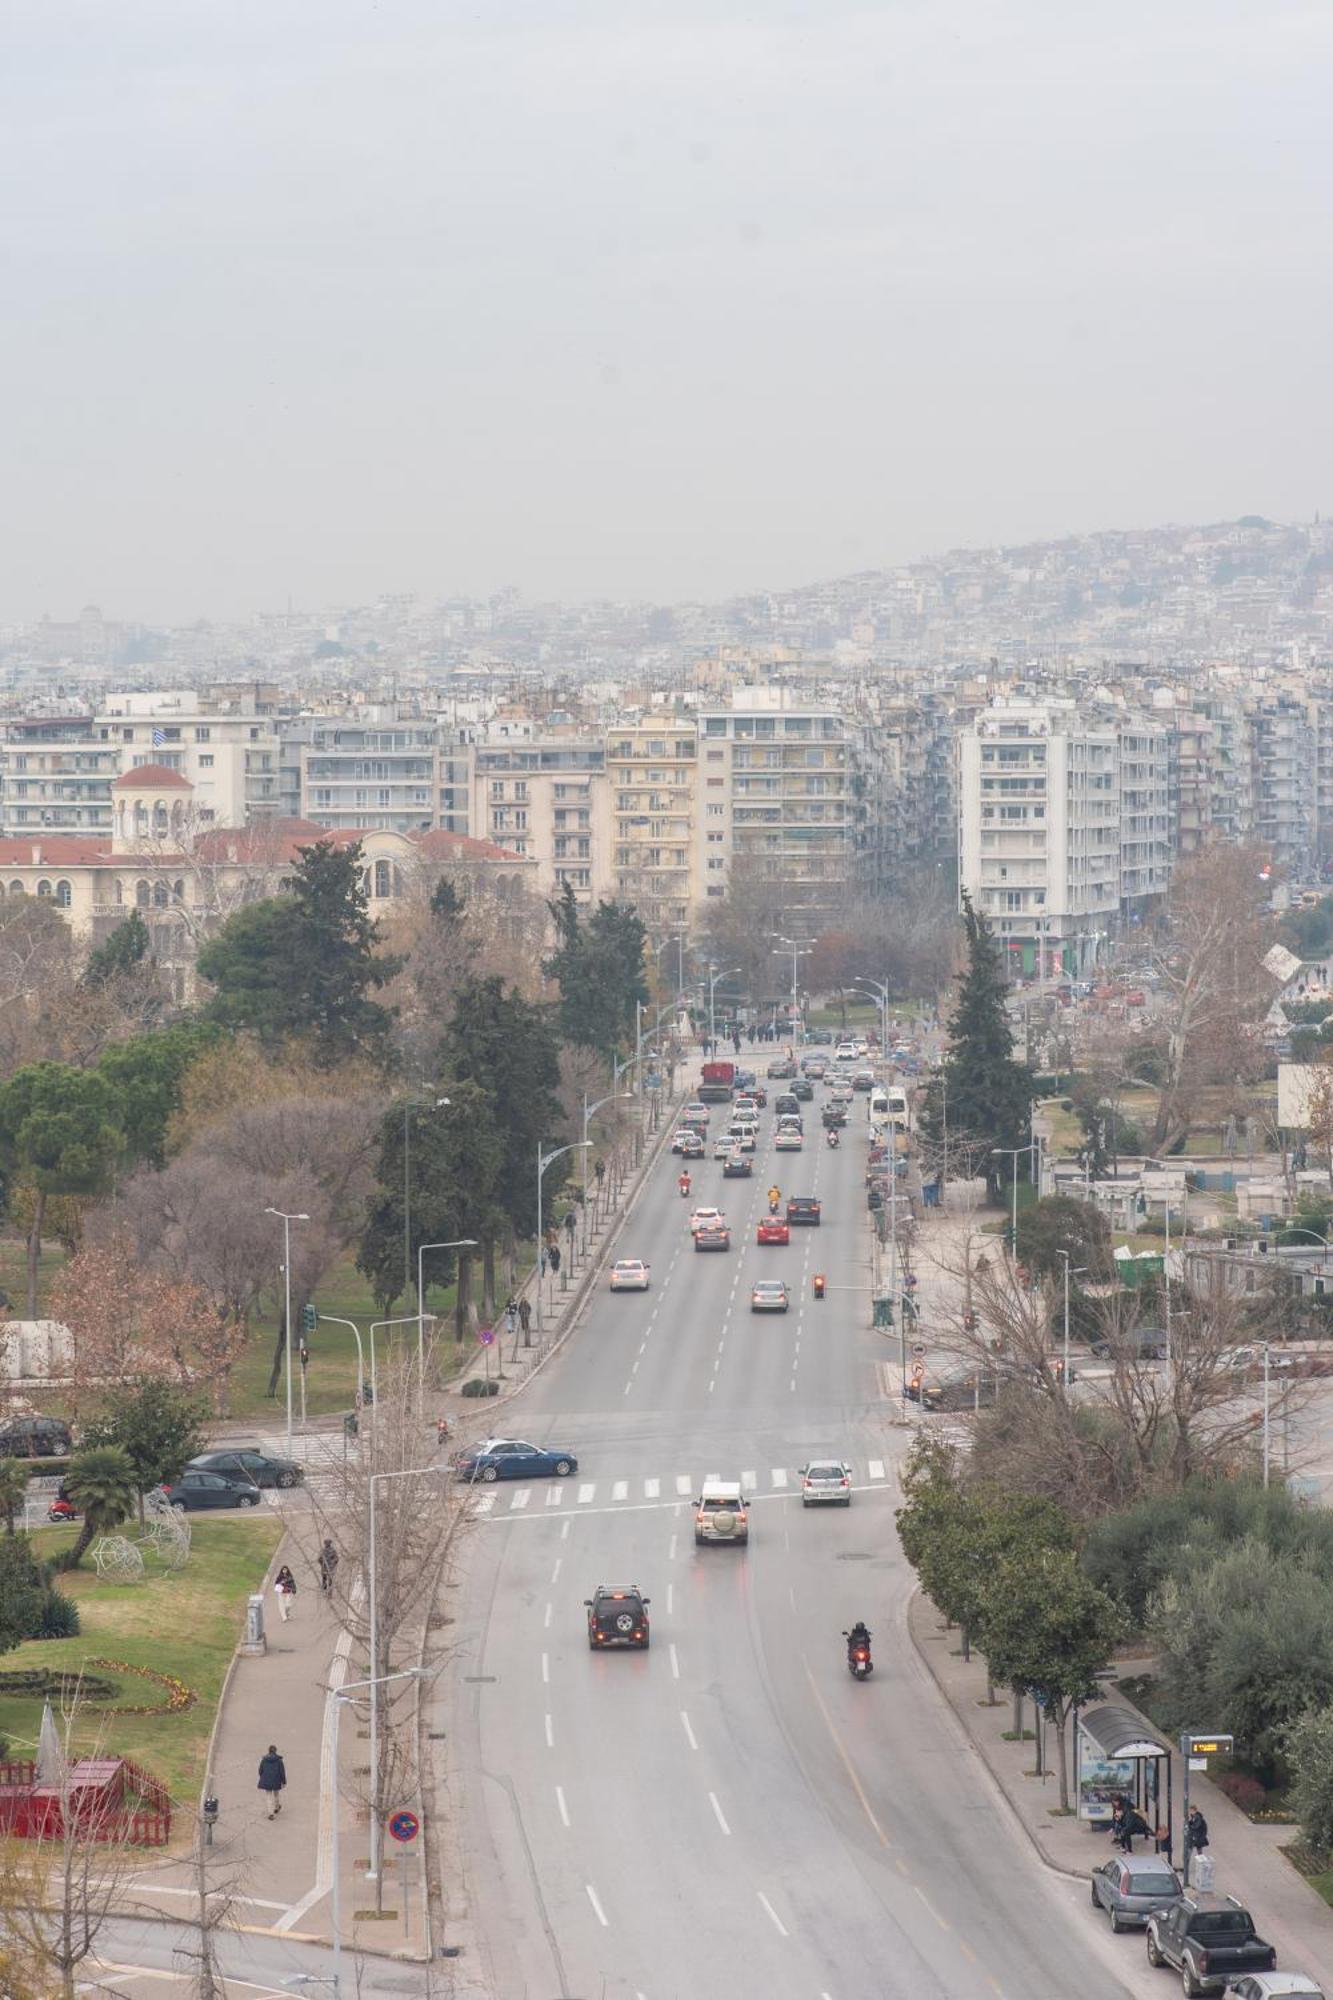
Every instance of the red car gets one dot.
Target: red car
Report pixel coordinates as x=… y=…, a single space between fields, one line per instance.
x=773 y=1230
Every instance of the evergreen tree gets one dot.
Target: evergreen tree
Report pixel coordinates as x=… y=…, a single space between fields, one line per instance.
x=508 y=1048
x=305 y=963
x=981 y=1093
x=146 y=1074
x=124 y=951
x=598 y=966
x=456 y=1163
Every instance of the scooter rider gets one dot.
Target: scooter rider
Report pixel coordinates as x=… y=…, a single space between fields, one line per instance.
x=684 y=1182
x=774 y=1200
x=832 y=1135
x=858 y=1637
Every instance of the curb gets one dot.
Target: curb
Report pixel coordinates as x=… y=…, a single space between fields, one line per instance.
x=1054 y=1867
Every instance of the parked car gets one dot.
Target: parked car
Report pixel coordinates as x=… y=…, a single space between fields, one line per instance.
x=1135 y=1343
x=35 y=1437
x=195 y=1490
x=1208 y=1940
x=1129 y=1887
x=245 y=1463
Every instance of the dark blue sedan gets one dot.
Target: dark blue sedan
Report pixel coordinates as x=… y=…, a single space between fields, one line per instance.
x=512 y=1458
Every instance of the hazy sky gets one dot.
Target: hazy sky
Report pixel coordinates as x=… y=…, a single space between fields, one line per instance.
x=643 y=299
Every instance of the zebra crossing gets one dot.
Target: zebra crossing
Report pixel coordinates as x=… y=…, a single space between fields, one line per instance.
x=571 y=1495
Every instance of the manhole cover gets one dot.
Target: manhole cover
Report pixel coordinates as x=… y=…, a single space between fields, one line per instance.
x=855 y=1556
x=482 y=1680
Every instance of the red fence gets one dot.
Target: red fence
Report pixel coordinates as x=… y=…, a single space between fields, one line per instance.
x=105 y=1800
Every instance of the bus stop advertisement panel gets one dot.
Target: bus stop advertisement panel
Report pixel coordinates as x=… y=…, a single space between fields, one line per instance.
x=1120 y=1756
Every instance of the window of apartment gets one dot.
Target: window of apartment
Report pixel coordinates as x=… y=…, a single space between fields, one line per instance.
x=684 y=746
x=497 y=788
x=716 y=756
x=715 y=725
x=254 y=735
x=64 y=895
x=521 y=820
x=714 y=781
x=382 y=878
x=520 y=788
x=715 y=839
x=383 y=796
x=206 y=761
x=323 y=796
x=203 y=734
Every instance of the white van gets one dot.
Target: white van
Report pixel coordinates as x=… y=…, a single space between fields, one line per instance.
x=900 y=1110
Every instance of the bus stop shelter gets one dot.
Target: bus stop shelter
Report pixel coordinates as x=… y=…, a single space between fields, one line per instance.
x=1119 y=1755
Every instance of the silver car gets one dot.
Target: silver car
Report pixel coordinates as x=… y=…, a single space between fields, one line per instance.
x=1274 y=1986
x=826 y=1482
x=1129 y=1887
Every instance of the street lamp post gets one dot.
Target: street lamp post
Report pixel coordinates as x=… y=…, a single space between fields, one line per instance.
x=341 y=1696
x=1079 y=1271
x=713 y=977
x=376 y=1828
x=335 y=1319
x=1013 y=1153
x=401 y=1319
x=456 y=1243
x=879 y=992
x=413 y=1104
x=590 y=1111
x=287 y=1221
x=544 y=1160
x=799 y=948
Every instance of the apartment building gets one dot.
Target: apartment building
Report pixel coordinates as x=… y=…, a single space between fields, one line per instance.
x=1284 y=762
x=369 y=767
x=1039 y=841
x=774 y=791
x=652 y=768
x=1146 y=833
x=225 y=743
x=547 y=798
x=56 y=774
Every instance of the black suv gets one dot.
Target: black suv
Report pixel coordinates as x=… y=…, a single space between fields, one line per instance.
x=617 y=1616
x=1207 y=1940
x=803 y=1208
x=34 y=1437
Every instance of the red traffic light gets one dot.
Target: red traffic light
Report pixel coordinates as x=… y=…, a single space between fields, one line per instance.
x=819 y=1284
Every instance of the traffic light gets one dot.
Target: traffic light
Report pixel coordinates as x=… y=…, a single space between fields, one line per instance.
x=309 y=1320
x=819 y=1284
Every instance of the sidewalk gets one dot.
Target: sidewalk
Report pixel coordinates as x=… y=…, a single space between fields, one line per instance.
x=1286 y=1910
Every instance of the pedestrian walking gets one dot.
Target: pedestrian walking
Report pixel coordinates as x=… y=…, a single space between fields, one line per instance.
x=1196 y=1837
x=284 y=1589
x=328 y=1564
x=525 y=1317
x=272 y=1779
x=511 y=1318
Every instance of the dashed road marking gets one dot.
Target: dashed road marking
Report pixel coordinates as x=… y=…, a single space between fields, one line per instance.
x=776 y=1920
x=560 y=1803
x=550 y=1733
x=586 y=1493
x=651 y=1488
x=689 y=1733
x=718 y=1814
x=520 y=1499
x=779 y=1475
x=620 y=1489
x=682 y=1482
x=596 y=1902
x=675 y=1662
x=876 y=1468
x=554 y=1495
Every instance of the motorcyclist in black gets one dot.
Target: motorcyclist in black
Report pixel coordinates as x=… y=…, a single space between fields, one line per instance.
x=858 y=1636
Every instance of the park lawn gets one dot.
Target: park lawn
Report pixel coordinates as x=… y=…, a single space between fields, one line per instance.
x=14 y=1271
x=184 y=1623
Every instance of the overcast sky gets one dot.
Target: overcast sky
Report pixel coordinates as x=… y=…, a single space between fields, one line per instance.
x=667 y=298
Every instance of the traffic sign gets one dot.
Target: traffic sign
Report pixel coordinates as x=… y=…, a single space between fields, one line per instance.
x=918 y=1350
x=486 y=1335
x=404 y=1826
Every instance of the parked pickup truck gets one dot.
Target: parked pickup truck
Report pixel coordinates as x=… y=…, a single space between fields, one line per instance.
x=1207 y=1940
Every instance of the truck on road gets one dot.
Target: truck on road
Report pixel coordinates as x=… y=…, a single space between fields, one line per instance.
x=717 y=1080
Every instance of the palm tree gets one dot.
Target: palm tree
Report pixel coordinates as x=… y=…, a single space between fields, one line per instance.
x=13 y=1489
x=102 y=1486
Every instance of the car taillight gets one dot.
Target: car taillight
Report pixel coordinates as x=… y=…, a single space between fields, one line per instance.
x=846 y=1482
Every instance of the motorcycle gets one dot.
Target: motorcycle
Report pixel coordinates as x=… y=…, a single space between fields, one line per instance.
x=859 y=1663
x=61 y=1510
x=684 y=1185
x=832 y=1136
x=774 y=1204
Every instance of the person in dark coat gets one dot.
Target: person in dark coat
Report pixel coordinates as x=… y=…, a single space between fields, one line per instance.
x=328 y=1564
x=1196 y=1836
x=272 y=1779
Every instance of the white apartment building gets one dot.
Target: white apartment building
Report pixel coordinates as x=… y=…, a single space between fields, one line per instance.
x=652 y=772
x=1039 y=837
x=56 y=774
x=224 y=743
x=774 y=789
x=546 y=798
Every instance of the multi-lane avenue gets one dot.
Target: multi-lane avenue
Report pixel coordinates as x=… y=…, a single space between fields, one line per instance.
x=728 y=1814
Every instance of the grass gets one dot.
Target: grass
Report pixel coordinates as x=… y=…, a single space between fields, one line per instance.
x=1317 y=1869
x=183 y=1623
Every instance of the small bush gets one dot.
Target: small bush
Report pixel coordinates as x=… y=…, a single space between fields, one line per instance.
x=1244 y=1792
x=60 y=1617
x=478 y=1385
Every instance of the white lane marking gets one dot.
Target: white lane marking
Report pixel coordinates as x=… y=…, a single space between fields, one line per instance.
x=586 y=1494
x=520 y=1499
x=564 y=1531
x=595 y=1900
x=931 y=1907
x=671 y=1549
x=682 y=1482
x=689 y=1733
x=550 y=1734
x=554 y=1495
x=559 y=1565
x=546 y=1668
x=560 y=1802
x=712 y=1385
x=547 y=1619
x=620 y=1489
x=651 y=1488
x=883 y=1490
x=675 y=1662
x=876 y=1468
x=485 y=1504
x=748 y=1481
x=718 y=1813
x=778 y=1924
x=671 y=1588
x=779 y=1475
x=711 y=1478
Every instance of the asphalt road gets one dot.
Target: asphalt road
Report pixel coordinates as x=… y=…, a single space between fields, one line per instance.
x=729 y=1814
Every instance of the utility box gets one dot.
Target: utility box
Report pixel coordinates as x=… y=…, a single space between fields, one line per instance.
x=254 y=1641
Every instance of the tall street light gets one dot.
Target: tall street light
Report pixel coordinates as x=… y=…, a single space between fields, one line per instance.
x=287 y=1221
x=1013 y=1153
x=376 y=1810
x=590 y=1111
x=335 y=1319
x=713 y=977
x=544 y=1160
x=458 y=1243
x=345 y=1695
x=1079 y=1271
x=413 y=1104
x=799 y=948
x=879 y=992
x=400 y=1319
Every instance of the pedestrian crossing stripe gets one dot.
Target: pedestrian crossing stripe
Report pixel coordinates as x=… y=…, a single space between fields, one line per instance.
x=622 y=1492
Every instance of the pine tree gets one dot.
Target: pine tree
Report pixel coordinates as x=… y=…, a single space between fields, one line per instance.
x=982 y=1094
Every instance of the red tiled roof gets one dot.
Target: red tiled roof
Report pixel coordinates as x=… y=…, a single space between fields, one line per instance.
x=57 y=850
x=445 y=846
x=156 y=777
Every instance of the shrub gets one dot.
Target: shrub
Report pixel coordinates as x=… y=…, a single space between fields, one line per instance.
x=1309 y=1751
x=477 y=1385
x=59 y=1617
x=1244 y=1792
